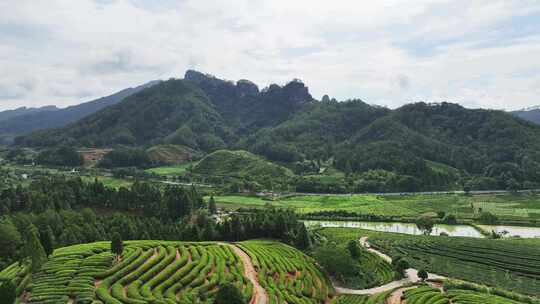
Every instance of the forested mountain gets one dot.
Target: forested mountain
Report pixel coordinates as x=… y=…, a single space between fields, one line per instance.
x=9 y=114
x=531 y=114
x=417 y=146
x=244 y=107
x=26 y=120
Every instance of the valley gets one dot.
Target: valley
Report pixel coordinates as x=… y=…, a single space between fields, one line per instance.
x=201 y=190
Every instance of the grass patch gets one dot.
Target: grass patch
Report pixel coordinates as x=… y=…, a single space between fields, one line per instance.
x=170 y=170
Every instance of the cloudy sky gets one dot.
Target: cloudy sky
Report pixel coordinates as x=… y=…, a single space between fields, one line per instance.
x=477 y=53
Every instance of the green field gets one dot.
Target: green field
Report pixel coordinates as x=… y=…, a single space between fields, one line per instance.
x=508 y=264
x=170 y=170
x=508 y=207
x=111 y=182
x=164 y=272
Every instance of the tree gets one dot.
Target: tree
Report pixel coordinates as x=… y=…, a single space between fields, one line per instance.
x=422 y=274
x=488 y=218
x=450 y=219
x=10 y=240
x=212 y=208
x=400 y=266
x=513 y=185
x=348 y=168
x=353 y=248
x=336 y=261
x=229 y=294
x=46 y=239
x=425 y=224
x=7 y=292
x=117 y=246
x=303 y=240
x=33 y=248
x=467 y=189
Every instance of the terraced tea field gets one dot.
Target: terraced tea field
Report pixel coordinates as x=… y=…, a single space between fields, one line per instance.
x=171 y=272
x=508 y=264
x=430 y=295
x=288 y=275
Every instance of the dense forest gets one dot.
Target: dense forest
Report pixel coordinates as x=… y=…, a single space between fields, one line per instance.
x=418 y=146
x=62 y=211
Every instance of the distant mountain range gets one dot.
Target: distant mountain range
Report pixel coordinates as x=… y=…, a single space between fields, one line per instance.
x=25 y=120
x=428 y=144
x=531 y=114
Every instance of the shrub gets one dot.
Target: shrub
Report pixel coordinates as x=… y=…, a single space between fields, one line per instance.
x=488 y=218
x=7 y=292
x=422 y=274
x=229 y=294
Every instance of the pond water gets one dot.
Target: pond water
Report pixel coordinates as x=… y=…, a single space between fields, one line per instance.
x=407 y=228
x=524 y=232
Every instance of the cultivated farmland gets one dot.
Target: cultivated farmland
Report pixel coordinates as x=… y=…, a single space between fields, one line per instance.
x=524 y=208
x=508 y=264
x=169 y=272
x=288 y=275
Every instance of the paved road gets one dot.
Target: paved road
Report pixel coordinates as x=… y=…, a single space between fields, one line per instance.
x=411 y=276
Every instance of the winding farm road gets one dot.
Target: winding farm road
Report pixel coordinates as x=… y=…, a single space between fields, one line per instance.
x=259 y=294
x=411 y=276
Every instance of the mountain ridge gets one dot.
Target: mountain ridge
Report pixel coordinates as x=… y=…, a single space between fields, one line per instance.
x=531 y=114
x=33 y=119
x=286 y=125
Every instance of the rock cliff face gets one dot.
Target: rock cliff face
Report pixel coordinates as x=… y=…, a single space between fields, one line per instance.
x=294 y=92
x=247 y=107
x=247 y=88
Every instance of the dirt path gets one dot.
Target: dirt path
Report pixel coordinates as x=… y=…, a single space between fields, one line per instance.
x=259 y=294
x=395 y=297
x=411 y=276
x=364 y=243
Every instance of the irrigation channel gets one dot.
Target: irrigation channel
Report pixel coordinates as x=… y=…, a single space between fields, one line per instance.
x=410 y=228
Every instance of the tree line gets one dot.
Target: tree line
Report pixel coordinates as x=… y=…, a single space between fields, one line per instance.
x=56 y=211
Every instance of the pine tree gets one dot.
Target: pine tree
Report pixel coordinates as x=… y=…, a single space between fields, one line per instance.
x=212 y=205
x=46 y=239
x=33 y=248
x=303 y=240
x=117 y=246
x=7 y=292
x=353 y=248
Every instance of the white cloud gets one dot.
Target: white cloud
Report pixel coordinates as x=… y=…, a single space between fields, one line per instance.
x=388 y=52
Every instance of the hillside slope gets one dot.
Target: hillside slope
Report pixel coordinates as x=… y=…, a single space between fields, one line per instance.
x=23 y=122
x=173 y=112
x=532 y=115
x=167 y=271
x=9 y=114
x=242 y=165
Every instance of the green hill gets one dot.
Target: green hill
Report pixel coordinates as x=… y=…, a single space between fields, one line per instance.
x=171 y=154
x=174 y=112
x=170 y=272
x=240 y=164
